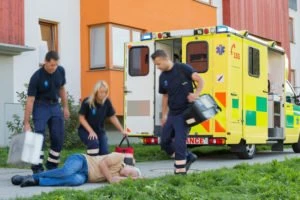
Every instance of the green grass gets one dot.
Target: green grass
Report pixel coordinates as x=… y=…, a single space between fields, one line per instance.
x=275 y=180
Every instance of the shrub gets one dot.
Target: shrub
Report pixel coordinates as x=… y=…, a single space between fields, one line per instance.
x=71 y=138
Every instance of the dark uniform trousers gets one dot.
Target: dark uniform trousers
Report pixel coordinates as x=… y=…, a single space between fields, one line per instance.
x=49 y=113
x=95 y=147
x=173 y=138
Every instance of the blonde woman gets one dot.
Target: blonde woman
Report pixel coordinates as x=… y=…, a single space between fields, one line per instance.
x=92 y=114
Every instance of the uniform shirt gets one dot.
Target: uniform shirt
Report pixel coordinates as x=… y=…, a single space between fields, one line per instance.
x=45 y=86
x=96 y=116
x=93 y=162
x=177 y=83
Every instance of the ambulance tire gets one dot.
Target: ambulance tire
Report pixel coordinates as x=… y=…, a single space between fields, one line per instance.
x=296 y=147
x=248 y=151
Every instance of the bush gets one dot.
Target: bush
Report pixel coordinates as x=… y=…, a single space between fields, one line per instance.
x=71 y=138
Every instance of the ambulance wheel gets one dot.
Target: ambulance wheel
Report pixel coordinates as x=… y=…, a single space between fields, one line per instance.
x=248 y=151
x=296 y=147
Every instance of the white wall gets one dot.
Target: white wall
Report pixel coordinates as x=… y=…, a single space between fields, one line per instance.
x=6 y=88
x=295 y=47
x=67 y=14
x=219 y=5
x=16 y=71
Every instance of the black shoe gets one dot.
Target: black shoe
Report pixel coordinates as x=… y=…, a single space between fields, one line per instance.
x=29 y=181
x=17 y=179
x=190 y=159
x=37 y=168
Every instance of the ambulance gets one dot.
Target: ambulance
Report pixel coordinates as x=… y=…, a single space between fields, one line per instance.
x=246 y=75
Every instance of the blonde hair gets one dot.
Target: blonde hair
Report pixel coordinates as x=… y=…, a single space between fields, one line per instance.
x=92 y=98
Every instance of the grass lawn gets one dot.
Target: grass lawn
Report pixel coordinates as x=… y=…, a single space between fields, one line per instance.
x=276 y=180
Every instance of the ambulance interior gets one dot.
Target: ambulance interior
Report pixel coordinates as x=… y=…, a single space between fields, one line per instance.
x=276 y=82
x=173 y=48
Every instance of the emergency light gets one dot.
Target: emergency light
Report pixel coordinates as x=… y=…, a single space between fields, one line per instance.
x=146 y=36
x=222 y=29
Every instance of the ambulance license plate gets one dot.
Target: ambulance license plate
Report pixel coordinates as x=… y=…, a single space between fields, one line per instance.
x=196 y=140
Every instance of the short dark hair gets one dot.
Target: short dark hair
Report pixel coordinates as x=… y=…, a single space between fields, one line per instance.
x=52 y=55
x=159 y=53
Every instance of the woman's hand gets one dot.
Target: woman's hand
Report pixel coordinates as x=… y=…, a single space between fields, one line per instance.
x=124 y=133
x=92 y=135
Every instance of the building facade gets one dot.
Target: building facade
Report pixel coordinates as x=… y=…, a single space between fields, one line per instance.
x=29 y=28
x=294 y=36
x=106 y=25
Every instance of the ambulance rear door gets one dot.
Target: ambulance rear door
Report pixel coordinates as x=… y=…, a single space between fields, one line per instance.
x=139 y=89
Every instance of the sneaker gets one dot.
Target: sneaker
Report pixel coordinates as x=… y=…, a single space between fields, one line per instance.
x=191 y=157
x=37 y=168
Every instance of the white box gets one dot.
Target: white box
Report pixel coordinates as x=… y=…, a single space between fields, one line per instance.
x=25 y=147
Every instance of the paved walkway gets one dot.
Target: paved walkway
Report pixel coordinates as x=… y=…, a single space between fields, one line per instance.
x=149 y=170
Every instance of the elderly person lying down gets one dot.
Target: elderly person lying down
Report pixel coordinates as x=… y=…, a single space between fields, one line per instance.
x=81 y=168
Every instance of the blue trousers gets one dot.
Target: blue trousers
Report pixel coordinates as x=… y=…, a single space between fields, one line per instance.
x=73 y=173
x=100 y=143
x=50 y=114
x=173 y=137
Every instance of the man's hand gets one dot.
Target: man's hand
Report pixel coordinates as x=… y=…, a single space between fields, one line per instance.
x=163 y=121
x=192 y=97
x=26 y=127
x=66 y=113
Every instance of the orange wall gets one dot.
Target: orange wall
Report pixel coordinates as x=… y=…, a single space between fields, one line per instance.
x=153 y=15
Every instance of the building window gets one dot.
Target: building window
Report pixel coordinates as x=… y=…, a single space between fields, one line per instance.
x=49 y=34
x=97 y=47
x=139 y=61
x=253 y=66
x=120 y=36
x=197 y=56
x=293 y=78
x=293 y=4
x=291 y=30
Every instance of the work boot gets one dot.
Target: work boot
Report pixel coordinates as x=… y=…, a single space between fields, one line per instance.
x=190 y=158
x=29 y=181
x=18 y=179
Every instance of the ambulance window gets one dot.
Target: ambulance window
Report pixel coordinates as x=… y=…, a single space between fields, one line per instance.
x=197 y=56
x=253 y=67
x=139 y=61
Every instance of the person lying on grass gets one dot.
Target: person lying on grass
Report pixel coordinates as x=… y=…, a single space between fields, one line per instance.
x=81 y=168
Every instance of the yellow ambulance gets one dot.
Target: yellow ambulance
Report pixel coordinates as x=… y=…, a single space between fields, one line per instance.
x=245 y=74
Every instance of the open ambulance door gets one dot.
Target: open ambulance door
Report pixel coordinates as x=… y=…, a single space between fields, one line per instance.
x=139 y=89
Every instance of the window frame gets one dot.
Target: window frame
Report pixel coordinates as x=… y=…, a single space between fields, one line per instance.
x=131 y=30
x=250 y=65
x=207 y=60
x=104 y=66
x=129 y=61
x=54 y=33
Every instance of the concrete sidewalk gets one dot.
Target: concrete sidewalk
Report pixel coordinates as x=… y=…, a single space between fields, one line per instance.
x=149 y=170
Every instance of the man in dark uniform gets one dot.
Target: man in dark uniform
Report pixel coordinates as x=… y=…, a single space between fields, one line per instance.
x=175 y=84
x=45 y=87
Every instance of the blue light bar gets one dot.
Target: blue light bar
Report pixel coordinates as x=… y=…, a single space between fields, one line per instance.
x=146 y=36
x=222 y=29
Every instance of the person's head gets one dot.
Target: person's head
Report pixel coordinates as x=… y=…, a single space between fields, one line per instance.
x=130 y=171
x=100 y=93
x=161 y=60
x=51 y=61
